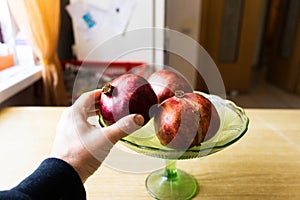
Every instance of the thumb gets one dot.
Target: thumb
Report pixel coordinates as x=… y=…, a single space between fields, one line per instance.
x=124 y=127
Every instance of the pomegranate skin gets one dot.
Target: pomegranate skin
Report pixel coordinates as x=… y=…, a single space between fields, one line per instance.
x=214 y=121
x=209 y=121
x=127 y=94
x=184 y=121
x=166 y=82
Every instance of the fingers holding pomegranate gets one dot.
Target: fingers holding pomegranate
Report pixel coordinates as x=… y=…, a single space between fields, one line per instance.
x=127 y=94
x=214 y=124
x=185 y=120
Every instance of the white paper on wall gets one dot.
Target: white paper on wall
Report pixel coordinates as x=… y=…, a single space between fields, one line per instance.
x=119 y=14
x=84 y=18
x=100 y=4
x=89 y=18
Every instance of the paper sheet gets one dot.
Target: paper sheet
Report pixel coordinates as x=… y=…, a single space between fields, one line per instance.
x=89 y=17
x=119 y=13
x=100 y=4
x=82 y=16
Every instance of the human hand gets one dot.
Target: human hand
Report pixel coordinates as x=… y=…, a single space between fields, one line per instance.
x=85 y=146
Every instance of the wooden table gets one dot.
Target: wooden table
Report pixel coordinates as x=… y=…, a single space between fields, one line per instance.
x=264 y=164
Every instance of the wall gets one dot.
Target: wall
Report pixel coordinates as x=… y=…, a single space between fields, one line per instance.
x=9 y=29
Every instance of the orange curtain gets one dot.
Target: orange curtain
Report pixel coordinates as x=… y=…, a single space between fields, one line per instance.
x=40 y=21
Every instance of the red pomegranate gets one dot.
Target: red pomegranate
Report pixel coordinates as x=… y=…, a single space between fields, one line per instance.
x=185 y=120
x=127 y=94
x=166 y=82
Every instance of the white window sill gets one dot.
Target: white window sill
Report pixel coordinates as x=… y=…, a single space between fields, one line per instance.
x=17 y=78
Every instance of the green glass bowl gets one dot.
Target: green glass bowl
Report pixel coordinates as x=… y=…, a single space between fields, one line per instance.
x=233 y=126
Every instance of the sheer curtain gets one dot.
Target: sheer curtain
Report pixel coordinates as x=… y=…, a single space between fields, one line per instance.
x=40 y=21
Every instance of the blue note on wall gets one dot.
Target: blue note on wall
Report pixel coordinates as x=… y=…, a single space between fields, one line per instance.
x=90 y=22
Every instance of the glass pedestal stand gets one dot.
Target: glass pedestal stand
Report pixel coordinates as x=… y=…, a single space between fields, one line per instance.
x=171 y=183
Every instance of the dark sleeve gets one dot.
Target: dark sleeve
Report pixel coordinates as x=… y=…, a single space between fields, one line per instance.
x=54 y=179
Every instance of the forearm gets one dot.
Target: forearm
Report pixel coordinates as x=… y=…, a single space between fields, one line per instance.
x=53 y=179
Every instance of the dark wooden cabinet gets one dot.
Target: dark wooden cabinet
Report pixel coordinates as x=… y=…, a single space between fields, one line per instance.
x=282 y=45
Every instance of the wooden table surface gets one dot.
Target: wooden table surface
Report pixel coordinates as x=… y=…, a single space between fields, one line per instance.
x=264 y=164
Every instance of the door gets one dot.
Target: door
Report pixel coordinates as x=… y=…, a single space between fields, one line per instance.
x=184 y=17
x=282 y=44
x=229 y=33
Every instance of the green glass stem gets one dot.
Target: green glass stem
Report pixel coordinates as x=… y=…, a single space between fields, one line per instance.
x=171 y=170
x=170 y=183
